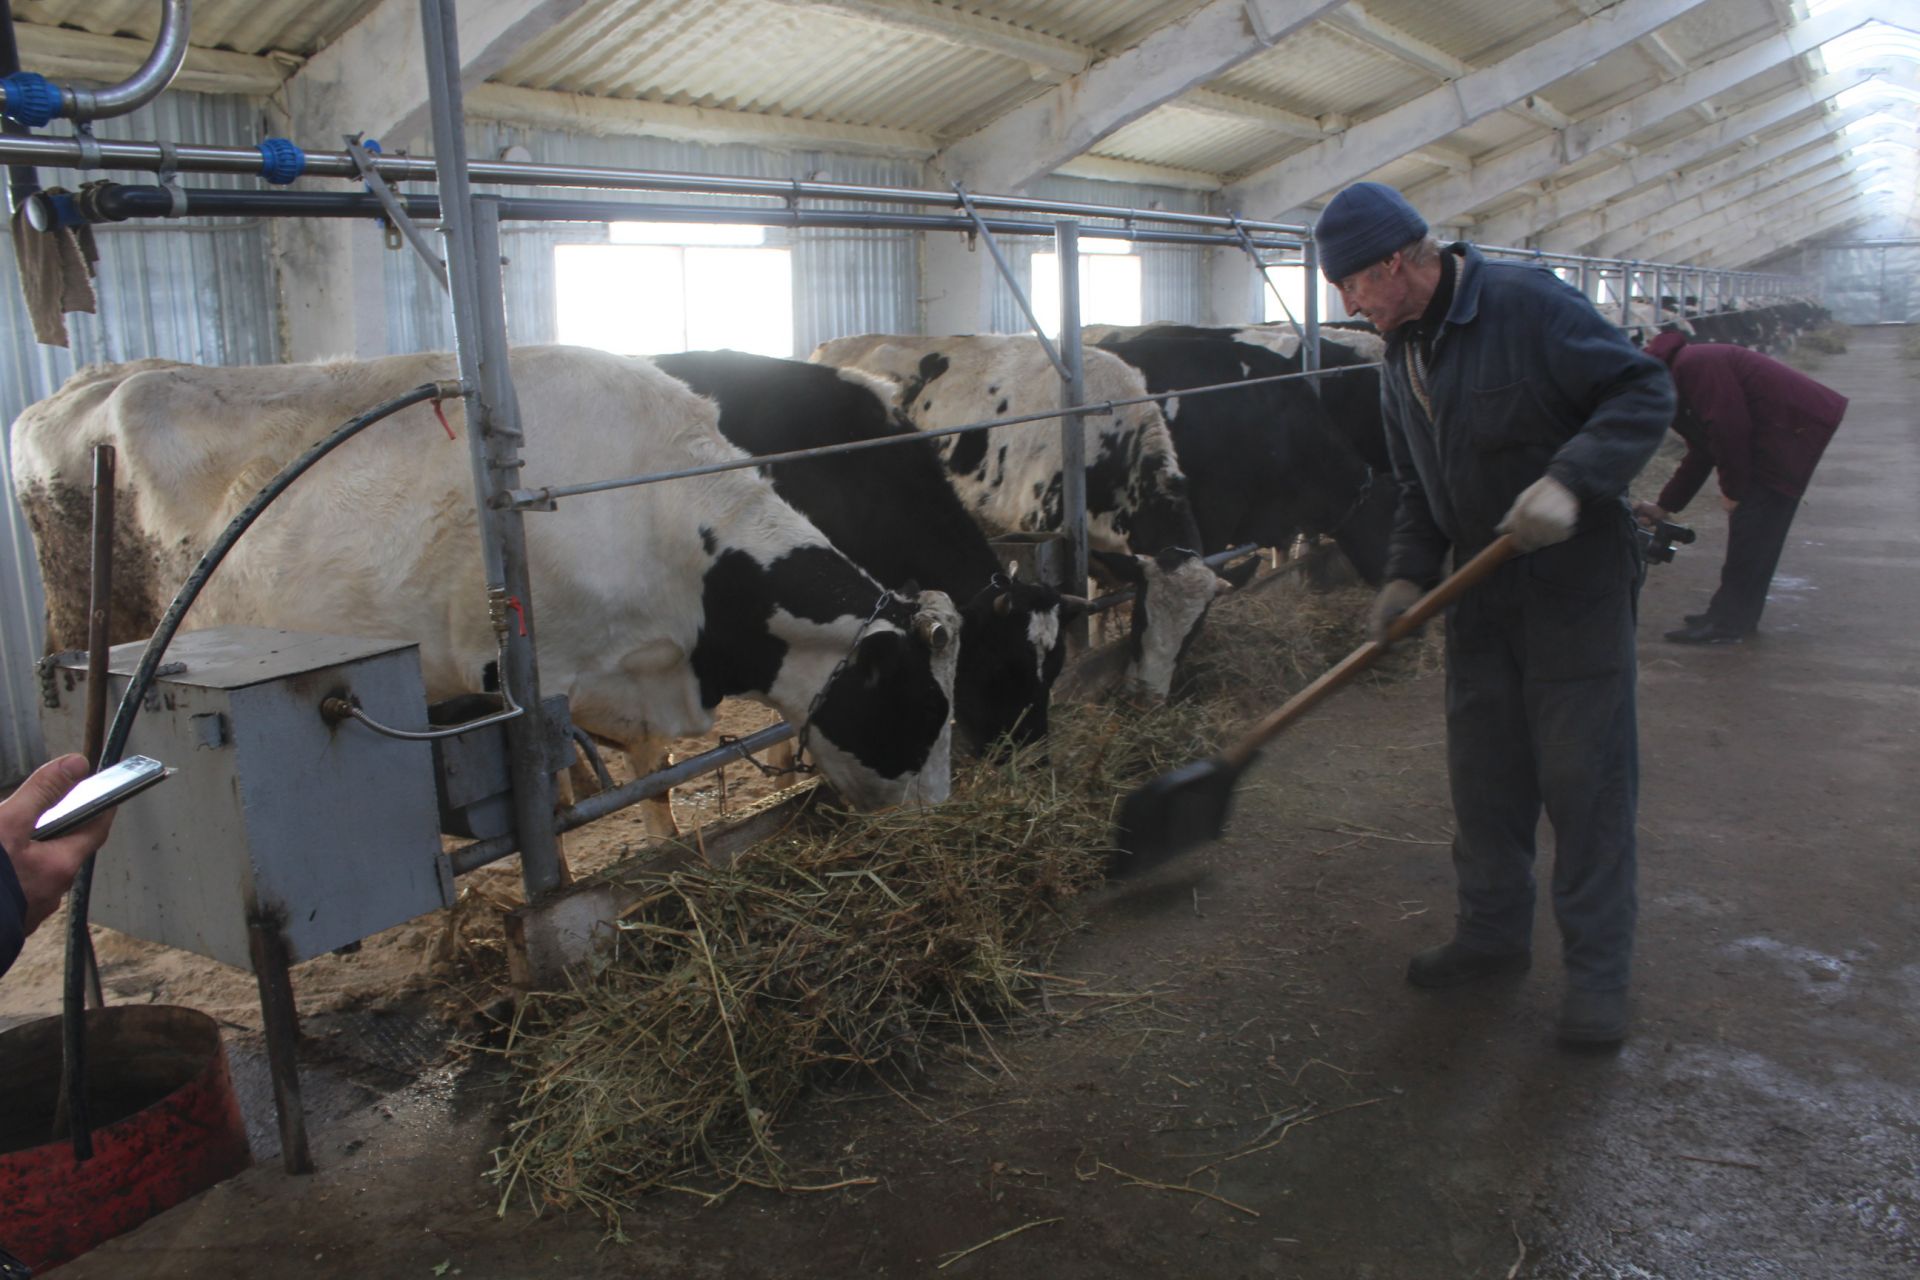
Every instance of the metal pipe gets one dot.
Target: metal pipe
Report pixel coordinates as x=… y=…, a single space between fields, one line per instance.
x=22 y=181
x=397 y=216
x=147 y=156
x=163 y=63
x=472 y=229
x=985 y=232
x=544 y=497
x=1310 y=342
x=483 y=852
x=119 y=202
x=1073 y=436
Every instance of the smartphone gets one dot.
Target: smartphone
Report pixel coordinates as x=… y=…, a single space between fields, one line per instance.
x=93 y=796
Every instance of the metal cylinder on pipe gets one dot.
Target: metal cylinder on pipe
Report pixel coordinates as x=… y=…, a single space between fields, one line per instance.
x=1310 y=341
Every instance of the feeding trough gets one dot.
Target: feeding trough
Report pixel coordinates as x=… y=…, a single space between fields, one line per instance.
x=167 y=1125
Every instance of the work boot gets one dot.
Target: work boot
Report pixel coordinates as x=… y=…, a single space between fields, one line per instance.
x=1451 y=964
x=1593 y=1017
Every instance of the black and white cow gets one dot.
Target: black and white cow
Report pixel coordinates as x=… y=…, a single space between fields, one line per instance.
x=1010 y=478
x=892 y=513
x=652 y=604
x=1264 y=463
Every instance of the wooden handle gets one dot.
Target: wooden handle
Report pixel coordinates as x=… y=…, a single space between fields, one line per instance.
x=1468 y=575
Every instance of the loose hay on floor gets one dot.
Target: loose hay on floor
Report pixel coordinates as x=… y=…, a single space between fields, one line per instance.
x=860 y=942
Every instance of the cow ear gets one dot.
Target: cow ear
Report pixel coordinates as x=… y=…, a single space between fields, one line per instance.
x=1126 y=568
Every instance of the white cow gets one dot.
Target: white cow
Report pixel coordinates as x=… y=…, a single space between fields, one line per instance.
x=1010 y=477
x=651 y=603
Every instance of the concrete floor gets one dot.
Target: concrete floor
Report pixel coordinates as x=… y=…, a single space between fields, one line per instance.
x=1763 y=1121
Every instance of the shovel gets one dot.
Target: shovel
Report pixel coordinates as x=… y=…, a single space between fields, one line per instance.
x=1180 y=810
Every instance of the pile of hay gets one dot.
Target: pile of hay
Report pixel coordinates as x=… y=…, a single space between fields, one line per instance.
x=852 y=944
x=1829 y=341
x=862 y=942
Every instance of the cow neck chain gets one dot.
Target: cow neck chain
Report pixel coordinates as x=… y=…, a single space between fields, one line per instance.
x=1359 y=500
x=800 y=763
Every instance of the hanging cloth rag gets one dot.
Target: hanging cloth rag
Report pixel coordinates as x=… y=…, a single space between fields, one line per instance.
x=56 y=274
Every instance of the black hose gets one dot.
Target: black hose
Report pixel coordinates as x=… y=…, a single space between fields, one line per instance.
x=73 y=1001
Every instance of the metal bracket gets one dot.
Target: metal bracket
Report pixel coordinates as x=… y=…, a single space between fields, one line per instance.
x=397 y=218
x=1006 y=273
x=527 y=500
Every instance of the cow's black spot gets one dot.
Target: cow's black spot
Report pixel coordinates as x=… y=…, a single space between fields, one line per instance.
x=1000 y=467
x=818 y=584
x=1050 y=503
x=707 y=542
x=932 y=366
x=969 y=452
x=735 y=650
x=1001 y=407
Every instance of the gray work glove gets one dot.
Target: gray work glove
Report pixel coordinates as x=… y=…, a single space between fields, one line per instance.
x=1543 y=514
x=1394 y=599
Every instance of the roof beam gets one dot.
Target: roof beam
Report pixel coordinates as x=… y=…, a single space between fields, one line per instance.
x=1737 y=251
x=1667 y=60
x=1335 y=162
x=1445 y=199
x=368 y=80
x=1773 y=245
x=1039 y=136
x=1577 y=232
x=1278 y=119
x=1695 y=236
x=1050 y=58
x=1736 y=203
x=1755 y=183
x=62 y=54
x=1586 y=193
x=629 y=117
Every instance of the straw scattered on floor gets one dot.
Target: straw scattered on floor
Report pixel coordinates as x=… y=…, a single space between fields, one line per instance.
x=859 y=942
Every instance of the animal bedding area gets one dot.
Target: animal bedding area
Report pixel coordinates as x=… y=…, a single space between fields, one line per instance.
x=1216 y=1070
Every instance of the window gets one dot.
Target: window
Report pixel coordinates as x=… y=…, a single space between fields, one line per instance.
x=1110 y=288
x=660 y=287
x=1292 y=284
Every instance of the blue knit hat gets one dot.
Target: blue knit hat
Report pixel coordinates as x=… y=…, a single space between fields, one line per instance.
x=1363 y=225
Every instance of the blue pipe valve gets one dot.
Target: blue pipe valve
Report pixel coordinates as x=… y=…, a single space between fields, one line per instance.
x=281 y=161
x=32 y=99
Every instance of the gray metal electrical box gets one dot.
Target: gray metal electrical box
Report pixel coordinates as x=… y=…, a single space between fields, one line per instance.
x=328 y=831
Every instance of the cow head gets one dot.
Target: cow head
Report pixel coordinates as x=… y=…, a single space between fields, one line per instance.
x=880 y=729
x=1012 y=646
x=1172 y=592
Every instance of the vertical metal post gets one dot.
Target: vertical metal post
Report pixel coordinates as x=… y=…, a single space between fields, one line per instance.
x=1586 y=280
x=472 y=230
x=1310 y=342
x=1626 y=295
x=280 y=1021
x=1659 y=293
x=1073 y=392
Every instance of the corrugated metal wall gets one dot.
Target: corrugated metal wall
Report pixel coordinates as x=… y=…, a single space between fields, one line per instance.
x=1871 y=284
x=844 y=281
x=200 y=290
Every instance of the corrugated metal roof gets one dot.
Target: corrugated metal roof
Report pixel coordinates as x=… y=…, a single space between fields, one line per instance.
x=1193 y=139
x=246 y=26
x=1319 y=71
x=1470 y=29
x=1106 y=25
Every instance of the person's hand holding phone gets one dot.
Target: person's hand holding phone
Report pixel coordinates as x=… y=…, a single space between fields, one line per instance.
x=46 y=867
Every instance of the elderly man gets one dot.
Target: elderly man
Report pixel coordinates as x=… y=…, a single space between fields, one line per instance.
x=1512 y=406
x=1763 y=427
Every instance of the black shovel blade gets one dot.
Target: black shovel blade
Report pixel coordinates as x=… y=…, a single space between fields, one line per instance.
x=1174 y=813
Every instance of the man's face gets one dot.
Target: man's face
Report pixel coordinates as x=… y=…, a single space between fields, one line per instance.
x=1382 y=293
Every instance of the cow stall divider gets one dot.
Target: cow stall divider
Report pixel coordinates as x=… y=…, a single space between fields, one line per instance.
x=471 y=271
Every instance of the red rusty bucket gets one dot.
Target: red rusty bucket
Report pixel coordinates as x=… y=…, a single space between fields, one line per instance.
x=166 y=1126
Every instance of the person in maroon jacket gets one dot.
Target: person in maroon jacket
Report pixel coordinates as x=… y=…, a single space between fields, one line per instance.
x=1763 y=426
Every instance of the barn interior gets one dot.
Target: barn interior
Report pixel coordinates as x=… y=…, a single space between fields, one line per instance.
x=418 y=961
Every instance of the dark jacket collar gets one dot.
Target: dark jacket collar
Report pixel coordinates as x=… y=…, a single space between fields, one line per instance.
x=1466 y=289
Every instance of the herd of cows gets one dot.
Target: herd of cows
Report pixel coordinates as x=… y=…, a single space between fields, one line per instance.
x=857 y=594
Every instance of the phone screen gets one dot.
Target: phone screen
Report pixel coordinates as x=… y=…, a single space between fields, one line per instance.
x=92 y=796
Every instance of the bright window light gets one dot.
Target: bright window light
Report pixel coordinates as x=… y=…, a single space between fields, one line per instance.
x=684 y=233
x=1110 y=287
x=639 y=299
x=1292 y=284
